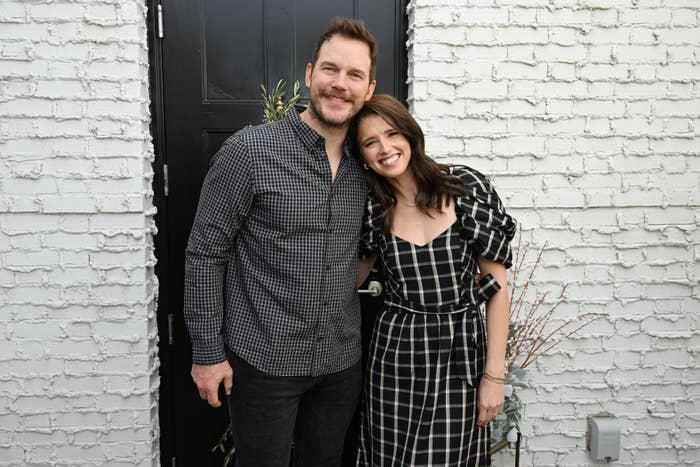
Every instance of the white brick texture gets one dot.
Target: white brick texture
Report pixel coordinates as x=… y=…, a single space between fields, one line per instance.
x=586 y=113
x=78 y=343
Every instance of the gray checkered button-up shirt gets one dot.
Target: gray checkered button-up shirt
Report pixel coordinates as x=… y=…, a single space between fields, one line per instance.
x=271 y=261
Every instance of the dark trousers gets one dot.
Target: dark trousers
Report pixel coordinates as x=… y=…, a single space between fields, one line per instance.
x=265 y=409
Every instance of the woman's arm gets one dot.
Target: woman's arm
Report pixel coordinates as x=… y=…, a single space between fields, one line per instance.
x=491 y=395
x=364 y=268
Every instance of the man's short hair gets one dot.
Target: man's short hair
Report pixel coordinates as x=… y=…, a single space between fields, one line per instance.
x=351 y=29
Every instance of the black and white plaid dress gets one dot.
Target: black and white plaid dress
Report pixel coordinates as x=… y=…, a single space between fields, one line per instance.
x=428 y=347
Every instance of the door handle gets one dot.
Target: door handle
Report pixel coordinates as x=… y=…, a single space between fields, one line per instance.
x=374 y=289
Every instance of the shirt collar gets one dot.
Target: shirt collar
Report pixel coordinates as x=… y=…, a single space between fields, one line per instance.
x=308 y=136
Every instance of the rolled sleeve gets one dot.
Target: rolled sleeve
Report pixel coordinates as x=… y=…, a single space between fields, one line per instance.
x=489 y=228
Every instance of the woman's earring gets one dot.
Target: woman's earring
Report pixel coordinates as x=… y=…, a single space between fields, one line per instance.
x=365 y=166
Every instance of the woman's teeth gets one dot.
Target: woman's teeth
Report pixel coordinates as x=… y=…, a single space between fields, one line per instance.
x=389 y=160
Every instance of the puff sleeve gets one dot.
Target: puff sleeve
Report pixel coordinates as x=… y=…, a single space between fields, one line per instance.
x=371 y=228
x=487 y=226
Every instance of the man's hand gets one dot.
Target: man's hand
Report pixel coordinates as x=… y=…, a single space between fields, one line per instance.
x=209 y=377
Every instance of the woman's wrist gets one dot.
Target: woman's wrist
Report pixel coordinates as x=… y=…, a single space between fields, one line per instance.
x=494 y=377
x=498 y=370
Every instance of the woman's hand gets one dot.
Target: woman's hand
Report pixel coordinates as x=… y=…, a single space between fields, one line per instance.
x=490 y=399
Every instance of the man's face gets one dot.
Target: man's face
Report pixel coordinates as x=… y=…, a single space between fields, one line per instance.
x=339 y=81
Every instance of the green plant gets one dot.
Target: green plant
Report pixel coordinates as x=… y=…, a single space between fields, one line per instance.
x=226 y=446
x=529 y=335
x=274 y=107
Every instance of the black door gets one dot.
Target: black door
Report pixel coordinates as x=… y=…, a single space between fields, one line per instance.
x=207 y=69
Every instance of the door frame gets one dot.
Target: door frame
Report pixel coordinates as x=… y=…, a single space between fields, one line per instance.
x=166 y=407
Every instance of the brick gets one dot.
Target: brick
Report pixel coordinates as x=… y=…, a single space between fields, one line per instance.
x=562 y=72
x=602 y=72
x=661 y=291
x=62 y=52
x=558 y=53
x=130 y=11
x=480 y=126
x=68 y=241
x=483 y=16
x=28 y=107
x=668 y=358
x=37 y=330
x=595 y=107
x=519 y=145
x=661 y=216
x=563 y=16
x=518 y=107
x=83 y=385
x=60 y=88
x=507 y=35
x=638 y=198
x=69 y=205
x=560 y=198
x=512 y=70
x=113 y=70
x=69 y=349
x=30 y=258
x=114 y=109
x=65 y=12
x=678 y=35
x=683 y=72
x=642 y=73
x=604 y=35
x=429 y=109
x=652 y=17
x=447 y=35
x=480 y=53
x=22 y=69
x=677 y=108
x=638 y=53
x=118 y=222
x=101 y=14
x=12 y=454
x=27 y=186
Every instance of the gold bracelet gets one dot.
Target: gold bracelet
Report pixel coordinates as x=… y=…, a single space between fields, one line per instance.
x=494 y=378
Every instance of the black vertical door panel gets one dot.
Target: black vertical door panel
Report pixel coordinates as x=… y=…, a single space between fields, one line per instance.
x=215 y=55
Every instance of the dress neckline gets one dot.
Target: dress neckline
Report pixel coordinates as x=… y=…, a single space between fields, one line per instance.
x=441 y=234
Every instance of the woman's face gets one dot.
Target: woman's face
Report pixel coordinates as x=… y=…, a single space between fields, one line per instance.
x=386 y=151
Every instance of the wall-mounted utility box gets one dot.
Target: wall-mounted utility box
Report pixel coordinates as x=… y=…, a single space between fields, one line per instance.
x=604 y=437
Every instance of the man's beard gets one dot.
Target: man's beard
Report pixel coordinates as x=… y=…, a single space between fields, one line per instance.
x=326 y=121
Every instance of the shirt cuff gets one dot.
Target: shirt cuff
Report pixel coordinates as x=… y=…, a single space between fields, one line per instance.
x=203 y=354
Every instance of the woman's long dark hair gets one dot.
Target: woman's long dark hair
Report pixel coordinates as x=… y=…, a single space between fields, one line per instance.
x=434 y=181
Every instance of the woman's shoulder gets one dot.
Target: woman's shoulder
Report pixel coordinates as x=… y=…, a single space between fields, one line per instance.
x=470 y=177
x=373 y=201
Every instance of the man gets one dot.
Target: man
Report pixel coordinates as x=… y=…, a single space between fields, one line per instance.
x=271 y=263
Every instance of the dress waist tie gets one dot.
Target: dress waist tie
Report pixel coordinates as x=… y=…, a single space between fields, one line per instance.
x=461 y=332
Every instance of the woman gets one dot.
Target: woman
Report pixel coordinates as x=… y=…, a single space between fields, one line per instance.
x=433 y=383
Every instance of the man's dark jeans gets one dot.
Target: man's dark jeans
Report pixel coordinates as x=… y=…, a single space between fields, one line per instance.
x=264 y=410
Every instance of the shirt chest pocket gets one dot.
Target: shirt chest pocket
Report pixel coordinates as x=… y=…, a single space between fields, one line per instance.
x=291 y=203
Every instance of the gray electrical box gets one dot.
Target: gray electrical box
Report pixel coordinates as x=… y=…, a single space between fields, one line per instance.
x=604 y=438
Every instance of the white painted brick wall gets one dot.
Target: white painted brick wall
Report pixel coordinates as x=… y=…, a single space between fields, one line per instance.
x=78 y=343
x=587 y=115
